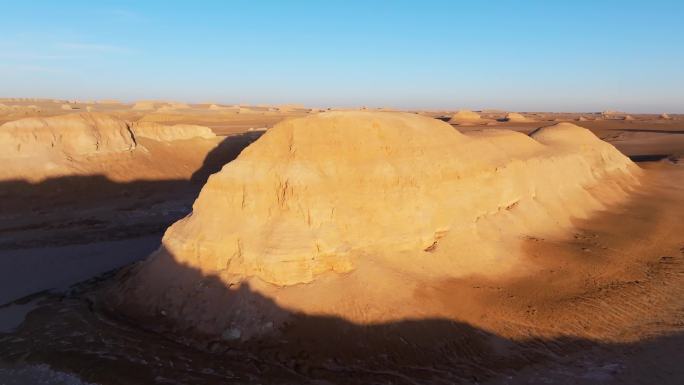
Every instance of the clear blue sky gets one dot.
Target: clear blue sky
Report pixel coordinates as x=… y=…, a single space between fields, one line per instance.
x=522 y=55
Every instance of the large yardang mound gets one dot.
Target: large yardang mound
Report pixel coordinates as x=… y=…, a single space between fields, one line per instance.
x=467 y=117
x=72 y=135
x=167 y=133
x=515 y=117
x=373 y=195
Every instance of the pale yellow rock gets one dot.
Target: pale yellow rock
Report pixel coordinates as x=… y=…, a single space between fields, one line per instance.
x=144 y=106
x=163 y=132
x=96 y=144
x=368 y=204
x=313 y=192
x=466 y=117
x=518 y=118
x=71 y=135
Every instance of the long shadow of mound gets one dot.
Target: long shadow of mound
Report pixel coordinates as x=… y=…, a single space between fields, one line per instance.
x=225 y=152
x=79 y=189
x=193 y=328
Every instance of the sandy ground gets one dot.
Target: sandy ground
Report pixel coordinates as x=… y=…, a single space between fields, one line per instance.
x=603 y=306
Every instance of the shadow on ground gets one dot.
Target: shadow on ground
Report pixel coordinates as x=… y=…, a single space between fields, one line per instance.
x=114 y=339
x=92 y=208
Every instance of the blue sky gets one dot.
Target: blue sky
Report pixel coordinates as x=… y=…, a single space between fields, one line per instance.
x=518 y=55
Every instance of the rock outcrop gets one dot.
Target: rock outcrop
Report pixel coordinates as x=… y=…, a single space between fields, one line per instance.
x=71 y=135
x=144 y=106
x=467 y=118
x=332 y=192
x=515 y=117
x=92 y=143
x=161 y=132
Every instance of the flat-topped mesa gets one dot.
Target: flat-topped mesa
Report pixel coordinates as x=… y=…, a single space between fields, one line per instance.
x=78 y=134
x=166 y=133
x=98 y=144
x=314 y=193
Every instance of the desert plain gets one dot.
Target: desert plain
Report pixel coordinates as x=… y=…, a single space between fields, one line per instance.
x=166 y=242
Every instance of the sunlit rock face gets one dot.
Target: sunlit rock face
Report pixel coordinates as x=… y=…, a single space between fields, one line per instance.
x=311 y=191
x=518 y=118
x=467 y=118
x=70 y=135
x=399 y=194
x=168 y=133
x=83 y=144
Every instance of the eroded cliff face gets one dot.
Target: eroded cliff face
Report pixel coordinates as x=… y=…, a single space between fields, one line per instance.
x=70 y=135
x=169 y=133
x=303 y=198
x=337 y=191
x=81 y=144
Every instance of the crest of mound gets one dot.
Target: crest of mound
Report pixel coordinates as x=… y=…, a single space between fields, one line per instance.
x=564 y=134
x=72 y=135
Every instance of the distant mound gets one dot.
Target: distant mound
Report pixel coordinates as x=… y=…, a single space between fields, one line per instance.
x=582 y=119
x=163 y=132
x=361 y=205
x=71 y=134
x=515 y=117
x=99 y=144
x=144 y=106
x=467 y=117
x=665 y=117
x=628 y=117
x=611 y=112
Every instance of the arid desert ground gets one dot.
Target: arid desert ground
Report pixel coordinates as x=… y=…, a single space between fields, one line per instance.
x=172 y=243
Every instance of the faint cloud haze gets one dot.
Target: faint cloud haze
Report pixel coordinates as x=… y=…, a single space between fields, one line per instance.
x=92 y=47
